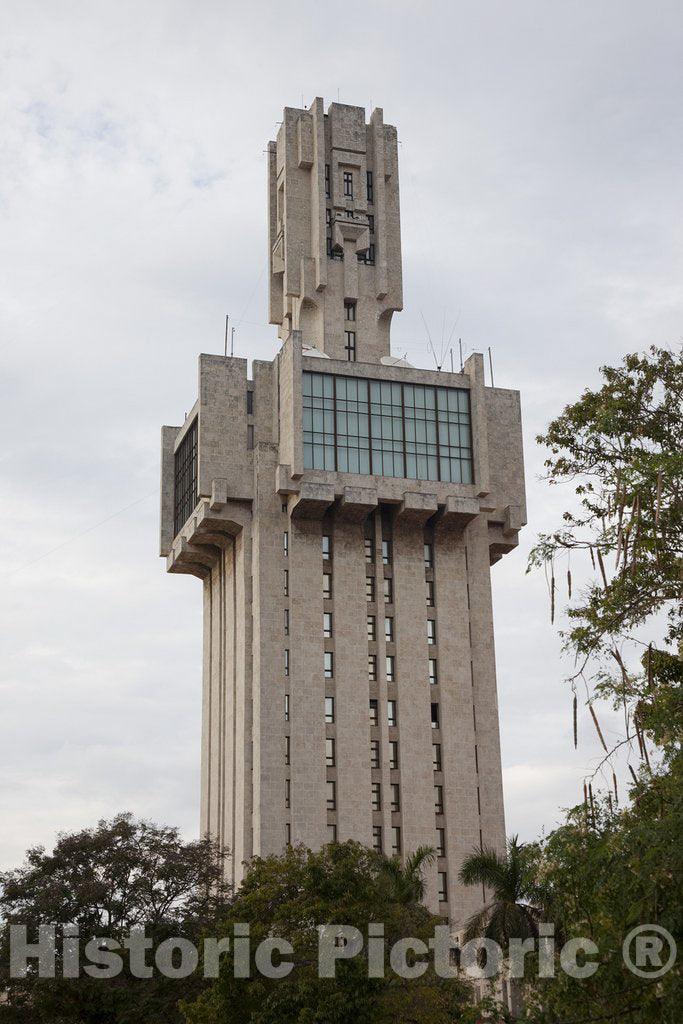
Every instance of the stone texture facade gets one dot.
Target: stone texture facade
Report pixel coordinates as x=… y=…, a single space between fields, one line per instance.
x=286 y=554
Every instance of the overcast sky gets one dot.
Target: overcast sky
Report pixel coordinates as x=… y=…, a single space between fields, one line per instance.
x=542 y=186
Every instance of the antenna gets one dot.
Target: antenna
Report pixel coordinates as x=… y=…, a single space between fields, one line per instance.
x=460 y=347
x=430 y=344
x=225 y=346
x=452 y=369
x=232 y=342
x=491 y=366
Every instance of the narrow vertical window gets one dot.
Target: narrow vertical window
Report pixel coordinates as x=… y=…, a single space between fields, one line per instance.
x=288 y=793
x=396 y=839
x=376 y=796
x=327 y=585
x=377 y=838
x=327 y=547
x=329 y=710
x=372 y=668
x=286 y=707
x=250 y=437
x=391 y=712
x=286 y=621
x=250 y=403
x=374 y=712
x=441 y=842
x=329 y=753
x=372 y=628
x=327 y=180
x=371 y=223
x=348 y=183
x=370 y=187
x=388 y=590
x=286 y=582
x=349 y=310
x=386 y=552
x=374 y=754
x=443 y=887
x=433 y=674
x=429 y=556
x=436 y=756
x=430 y=593
x=369 y=550
x=288 y=834
x=431 y=631
x=370 y=588
x=435 y=716
x=393 y=754
x=287 y=750
x=332 y=833
x=327 y=625
x=391 y=668
x=287 y=661
x=438 y=799
x=331 y=796
x=285 y=543
x=395 y=797
x=329 y=664
x=389 y=629
x=350 y=345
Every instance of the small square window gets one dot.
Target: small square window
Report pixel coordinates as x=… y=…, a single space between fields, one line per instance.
x=372 y=668
x=286 y=582
x=286 y=707
x=329 y=664
x=327 y=546
x=286 y=661
x=443 y=887
x=391 y=712
x=438 y=799
x=377 y=838
x=431 y=631
x=369 y=549
x=441 y=842
x=374 y=712
x=436 y=756
x=332 y=833
x=395 y=839
x=376 y=796
x=370 y=588
x=329 y=753
x=372 y=627
x=395 y=797
x=429 y=556
x=331 y=796
x=288 y=748
x=327 y=585
x=389 y=629
x=327 y=625
x=386 y=552
x=388 y=590
x=433 y=675
x=285 y=543
x=374 y=754
x=430 y=593
x=393 y=754
x=329 y=710
x=391 y=668
x=435 y=716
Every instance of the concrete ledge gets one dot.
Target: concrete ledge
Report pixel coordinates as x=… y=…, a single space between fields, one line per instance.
x=461 y=511
x=312 y=501
x=357 y=503
x=417 y=507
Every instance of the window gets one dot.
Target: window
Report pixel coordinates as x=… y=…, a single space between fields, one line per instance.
x=369 y=549
x=350 y=345
x=429 y=556
x=388 y=590
x=387 y=428
x=250 y=437
x=250 y=403
x=327 y=625
x=288 y=793
x=391 y=712
x=430 y=593
x=438 y=799
x=435 y=716
x=436 y=756
x=287 y=750
x=286 y=582
x=371 y=223
x=348 y=183
x=328 y=216
x=368 y=257
x=327 y=585
x=395 y=797
x=372 y=627
x=431 y=631
x=185 y=478
x=369 y=184
x=329 y=753
x=327 y=180
x=327 y=546
x=329 y=710
x=433 y=677
x=332 y=833
x=374 y=712
x=349 y=310
x=377 y=838
x=376 y=796
x=391 y=668
x=386 y=552
x=395 y=839
x=285 y=543
x=286 y=621
x=331 y=796
x=393 y=754
x=286 y=707
x=389 y=629
x=443 y=887
x=286 y=661
x=441 y=842
x=288 y=834
x=329 y=664
x=372 y=668
x=370 y=588
x=374 y=754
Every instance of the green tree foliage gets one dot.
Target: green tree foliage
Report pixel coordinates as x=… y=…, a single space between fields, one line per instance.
x=289 y=896
x=109 y=879
x=512 y=911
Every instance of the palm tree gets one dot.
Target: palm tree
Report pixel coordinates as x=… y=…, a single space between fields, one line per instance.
x=406 y=879
x=513 y=910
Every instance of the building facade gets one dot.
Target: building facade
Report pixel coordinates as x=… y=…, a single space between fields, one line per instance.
x=343 y=509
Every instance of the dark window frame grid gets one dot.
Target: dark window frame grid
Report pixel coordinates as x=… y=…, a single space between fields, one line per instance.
x=185 y=467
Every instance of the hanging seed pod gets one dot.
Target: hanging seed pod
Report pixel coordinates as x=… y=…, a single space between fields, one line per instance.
x=590 y=551
x=619 y=547
x=590 y=796
x=616 y=790
x=609 y=801
x=552 y=598
x=576 y=729
x=633 y=775
x=569 y=583
x=639 y=734
x=602 y=568
x=650 y=680
x=598 y=729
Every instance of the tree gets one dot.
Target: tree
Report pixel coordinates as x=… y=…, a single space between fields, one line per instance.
x=288 y=896
x=512 y=911
x=106 y=880
x=406 y=878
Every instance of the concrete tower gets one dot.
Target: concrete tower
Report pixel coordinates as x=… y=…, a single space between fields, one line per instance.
x=343 y=510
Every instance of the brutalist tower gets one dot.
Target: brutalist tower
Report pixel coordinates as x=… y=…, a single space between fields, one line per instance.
x=342 y=509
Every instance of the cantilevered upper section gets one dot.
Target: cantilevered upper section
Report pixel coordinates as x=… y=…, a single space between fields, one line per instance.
x=334 y=230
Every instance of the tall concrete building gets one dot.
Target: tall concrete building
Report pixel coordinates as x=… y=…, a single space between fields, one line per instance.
x=342 y=510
